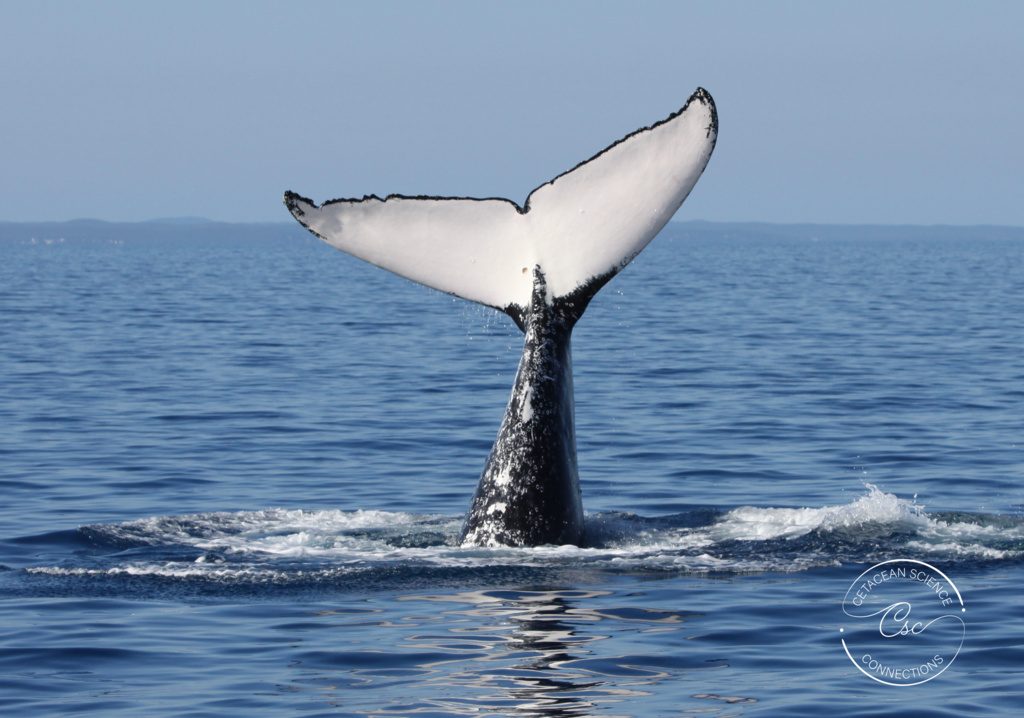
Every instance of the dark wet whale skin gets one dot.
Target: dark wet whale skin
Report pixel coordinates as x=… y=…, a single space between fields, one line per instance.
x=529 y=493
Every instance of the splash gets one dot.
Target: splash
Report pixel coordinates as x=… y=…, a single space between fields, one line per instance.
x=293 y=547
x=875 y=508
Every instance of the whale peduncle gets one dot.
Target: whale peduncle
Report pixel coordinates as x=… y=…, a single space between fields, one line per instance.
x=529 y=492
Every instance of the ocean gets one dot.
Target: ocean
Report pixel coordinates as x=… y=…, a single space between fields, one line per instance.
x=234 y=464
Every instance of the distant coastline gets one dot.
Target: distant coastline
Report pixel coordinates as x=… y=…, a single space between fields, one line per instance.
x=198 y=228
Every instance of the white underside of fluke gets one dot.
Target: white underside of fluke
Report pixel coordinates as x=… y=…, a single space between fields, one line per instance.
x=586 y=223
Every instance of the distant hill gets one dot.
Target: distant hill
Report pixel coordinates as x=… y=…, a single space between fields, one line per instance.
x=197 y=229
x=189 y=229
x=831 y=232
x=179 y=220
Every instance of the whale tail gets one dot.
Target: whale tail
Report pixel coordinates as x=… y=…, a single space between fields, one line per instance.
x=541 y=263
x=580 y=229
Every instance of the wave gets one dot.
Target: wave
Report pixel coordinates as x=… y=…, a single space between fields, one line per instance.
x=299 y=547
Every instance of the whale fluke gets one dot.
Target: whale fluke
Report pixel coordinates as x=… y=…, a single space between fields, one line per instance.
x=541 y=263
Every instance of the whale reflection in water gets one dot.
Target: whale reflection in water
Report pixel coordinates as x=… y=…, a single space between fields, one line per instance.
x=538 y=652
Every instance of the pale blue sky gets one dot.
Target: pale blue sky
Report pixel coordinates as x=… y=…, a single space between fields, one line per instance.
x=859 y=112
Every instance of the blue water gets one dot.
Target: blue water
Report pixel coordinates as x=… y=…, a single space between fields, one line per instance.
x=233 y=470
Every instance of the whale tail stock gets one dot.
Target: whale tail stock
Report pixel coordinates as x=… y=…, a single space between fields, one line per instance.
x=541 y=263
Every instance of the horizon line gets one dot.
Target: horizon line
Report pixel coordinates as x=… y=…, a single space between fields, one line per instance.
x=187 y=220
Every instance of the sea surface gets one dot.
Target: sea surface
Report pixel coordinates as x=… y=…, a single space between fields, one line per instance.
x=234 y=463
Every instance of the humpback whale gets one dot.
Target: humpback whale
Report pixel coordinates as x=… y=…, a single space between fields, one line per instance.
x=541 y=263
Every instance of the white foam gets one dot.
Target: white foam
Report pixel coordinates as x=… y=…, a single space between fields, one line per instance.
x=948 y=548
x=278 y=545
x=750 y=523
x=169 y=570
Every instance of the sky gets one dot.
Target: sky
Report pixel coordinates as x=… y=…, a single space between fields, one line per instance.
x=830 y=112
